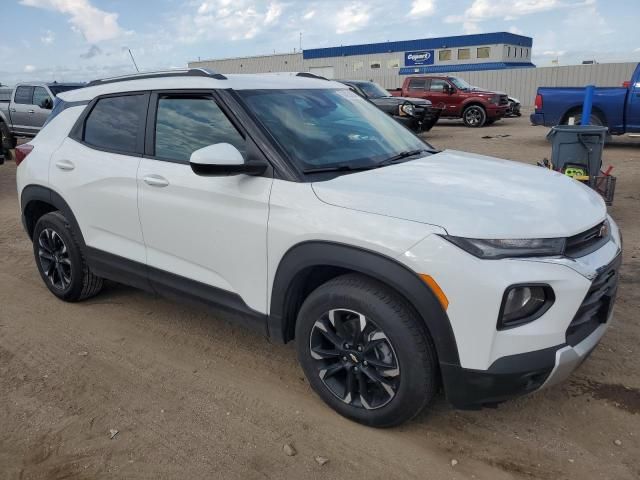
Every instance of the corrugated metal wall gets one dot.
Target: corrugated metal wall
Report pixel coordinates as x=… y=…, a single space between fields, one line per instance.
x=523 y=83
x=285 y=62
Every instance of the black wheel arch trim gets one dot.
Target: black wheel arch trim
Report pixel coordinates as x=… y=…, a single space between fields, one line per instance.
x=306 y=255
x=32 y=193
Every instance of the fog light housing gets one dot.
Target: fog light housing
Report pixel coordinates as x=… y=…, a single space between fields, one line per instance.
x=522 y=304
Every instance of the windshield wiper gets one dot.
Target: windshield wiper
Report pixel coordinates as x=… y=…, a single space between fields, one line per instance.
x=339 y=168
x=402 y=156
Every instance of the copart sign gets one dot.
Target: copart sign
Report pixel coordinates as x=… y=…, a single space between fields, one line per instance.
x=422 y=57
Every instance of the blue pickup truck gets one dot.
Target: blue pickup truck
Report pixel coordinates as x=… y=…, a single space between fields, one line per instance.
x=615 y=107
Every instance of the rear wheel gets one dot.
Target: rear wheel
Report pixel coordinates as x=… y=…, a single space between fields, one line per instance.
x=594 y=119
x=60 y=261
x=365 y=352
x=474 y=116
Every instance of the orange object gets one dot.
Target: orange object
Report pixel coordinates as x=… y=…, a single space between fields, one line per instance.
x=435 y=288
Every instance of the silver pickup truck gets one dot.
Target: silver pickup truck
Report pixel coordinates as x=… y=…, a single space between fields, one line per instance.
x=26 y=109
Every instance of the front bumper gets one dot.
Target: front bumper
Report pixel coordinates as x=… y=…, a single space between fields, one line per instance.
x=498 y=365
x=423 y=119
x=496 y=112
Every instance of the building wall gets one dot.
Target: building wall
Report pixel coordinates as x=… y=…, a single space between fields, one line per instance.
x=523 y=83
x=285 y=62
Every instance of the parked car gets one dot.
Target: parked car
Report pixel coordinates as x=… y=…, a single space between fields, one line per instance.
x=27 y=109
x=417 y=114
x=457 y=98
x=617 y=108
x=514 y=108
x=316 y=218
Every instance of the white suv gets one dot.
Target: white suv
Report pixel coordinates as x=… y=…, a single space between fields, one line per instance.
x=298 y=205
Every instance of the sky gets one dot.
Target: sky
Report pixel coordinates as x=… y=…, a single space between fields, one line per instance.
x=78 y=40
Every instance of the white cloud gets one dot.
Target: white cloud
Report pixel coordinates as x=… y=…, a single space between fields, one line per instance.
x=422 y=8
x=351 y=18
x=309 y=15
x=273 y=13
x=481 y=10
x=470 y=28
x=94 y=24
x=48 y=37
x=29 y=68
x=516 y=30
x=554 y=53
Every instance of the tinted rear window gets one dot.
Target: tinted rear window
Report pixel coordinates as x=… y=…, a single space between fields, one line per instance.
x=114 y=123
x=23 y=95
x=5 y=94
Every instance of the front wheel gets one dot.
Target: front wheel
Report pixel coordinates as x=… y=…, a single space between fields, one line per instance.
x=474 y=116
x=365 y=352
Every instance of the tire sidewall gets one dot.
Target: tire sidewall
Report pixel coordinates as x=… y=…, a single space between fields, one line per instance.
x=483 y=116
x=413 y=392
x=58 y=223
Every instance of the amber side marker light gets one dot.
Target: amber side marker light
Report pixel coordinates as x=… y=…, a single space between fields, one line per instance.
x=435 y=288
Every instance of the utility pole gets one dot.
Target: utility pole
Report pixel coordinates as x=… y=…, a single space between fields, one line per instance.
x=300 y=41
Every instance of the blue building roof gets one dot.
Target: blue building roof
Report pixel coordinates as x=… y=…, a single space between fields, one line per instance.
x=467 y=67
x=423 y=44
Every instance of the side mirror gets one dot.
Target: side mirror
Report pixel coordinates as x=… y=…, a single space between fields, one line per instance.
x=223 y=159
x=448 y=89
x=46 y=103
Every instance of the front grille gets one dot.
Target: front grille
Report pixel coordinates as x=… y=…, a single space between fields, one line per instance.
x=587 y=242
x=597 y=304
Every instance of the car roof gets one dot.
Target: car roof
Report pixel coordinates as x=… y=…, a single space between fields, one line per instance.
x=50 y=84
x=169 y=80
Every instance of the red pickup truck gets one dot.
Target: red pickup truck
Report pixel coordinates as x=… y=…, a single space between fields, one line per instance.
x=457 y=99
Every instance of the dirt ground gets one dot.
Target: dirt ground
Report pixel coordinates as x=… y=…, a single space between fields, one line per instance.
x=194 y=397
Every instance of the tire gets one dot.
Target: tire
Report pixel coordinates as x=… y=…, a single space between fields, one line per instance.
x=60 y=260
x=474 y=116
x=7 y=141
x=594 y=119
x=393 y=362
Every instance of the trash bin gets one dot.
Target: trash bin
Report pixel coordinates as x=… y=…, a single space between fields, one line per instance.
x=577 y=146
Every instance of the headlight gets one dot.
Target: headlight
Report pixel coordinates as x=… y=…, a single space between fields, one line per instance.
x=495 y=99
x=496 y=249
x=523 y=304
x=407 y=109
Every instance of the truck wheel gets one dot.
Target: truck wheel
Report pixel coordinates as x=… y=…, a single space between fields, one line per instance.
x=60 y=261
x=594 y=119
x=474 y=116
x=7 y=141
x=365 y=352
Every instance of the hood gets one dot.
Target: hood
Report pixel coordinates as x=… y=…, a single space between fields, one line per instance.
x=401 y=100
x=471 y=196
x=484 y=90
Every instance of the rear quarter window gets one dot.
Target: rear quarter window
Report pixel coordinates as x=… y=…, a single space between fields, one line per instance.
x=115 y=124
x=24 y=95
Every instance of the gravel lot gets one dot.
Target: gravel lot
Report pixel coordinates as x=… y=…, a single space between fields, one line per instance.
x=194 y=397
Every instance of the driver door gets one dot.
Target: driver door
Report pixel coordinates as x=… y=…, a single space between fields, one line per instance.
x=205 y=237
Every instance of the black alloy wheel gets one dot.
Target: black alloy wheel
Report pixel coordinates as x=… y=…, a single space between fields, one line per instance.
x=354 y=359
x=54 y=259
x=474 y=116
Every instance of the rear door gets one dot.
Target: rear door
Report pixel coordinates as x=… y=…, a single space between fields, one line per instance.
x=95 y=170
x=417 y=88
x=205 y=236
x=21 y=110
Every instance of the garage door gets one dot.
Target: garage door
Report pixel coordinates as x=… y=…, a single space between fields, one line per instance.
x=326 y=72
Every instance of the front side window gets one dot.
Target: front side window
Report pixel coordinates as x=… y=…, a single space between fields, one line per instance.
x=464 y=54
x=186 y=124
x=24 y=95
x=114 y=123
x=438 y=85
x=40 y=95
x=329 y=128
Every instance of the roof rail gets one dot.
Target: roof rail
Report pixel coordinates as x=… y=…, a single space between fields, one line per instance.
x=310 y=75
x=191 y=72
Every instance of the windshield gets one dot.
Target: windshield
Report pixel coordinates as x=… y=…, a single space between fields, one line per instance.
x=330 y=128
x=57 y=89
x=461 y=84
x=372 y=90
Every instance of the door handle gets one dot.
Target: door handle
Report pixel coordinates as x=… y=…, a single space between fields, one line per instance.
x=31 y=111
x=65 y=165
x=156 y=181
